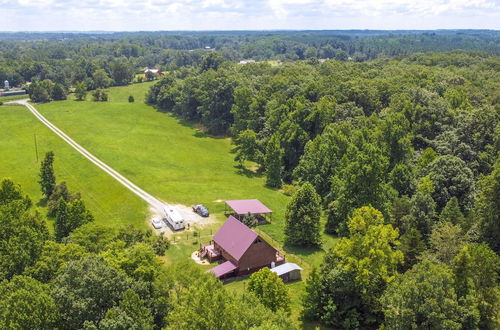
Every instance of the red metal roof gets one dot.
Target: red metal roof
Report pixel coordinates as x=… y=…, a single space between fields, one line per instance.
x=234 y=237
x=223 y=269
x=245 y=206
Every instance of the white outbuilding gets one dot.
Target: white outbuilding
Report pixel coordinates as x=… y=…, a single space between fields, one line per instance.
x=288 y=271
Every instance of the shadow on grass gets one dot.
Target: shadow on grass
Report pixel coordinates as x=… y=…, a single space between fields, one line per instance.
x=199 y=130
x=301 y=251
x=236 y=279
x=241 y=170
x=42 y=202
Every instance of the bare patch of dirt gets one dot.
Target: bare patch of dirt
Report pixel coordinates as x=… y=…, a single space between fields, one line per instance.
x=191 y=219
x=196 y=257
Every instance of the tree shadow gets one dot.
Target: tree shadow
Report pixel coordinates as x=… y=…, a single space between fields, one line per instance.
x=301 y=250
x=42 y=202
x=199 y=132
x=242 y=170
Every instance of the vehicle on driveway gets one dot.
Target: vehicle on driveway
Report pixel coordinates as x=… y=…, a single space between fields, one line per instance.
x=157 y=223
x=173 y=218
x=201 y=210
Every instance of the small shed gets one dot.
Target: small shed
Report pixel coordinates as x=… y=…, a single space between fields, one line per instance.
x=242 y=207
x=288 y=271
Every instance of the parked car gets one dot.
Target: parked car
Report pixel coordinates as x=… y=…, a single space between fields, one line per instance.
x=157 y=223
x=201 y=210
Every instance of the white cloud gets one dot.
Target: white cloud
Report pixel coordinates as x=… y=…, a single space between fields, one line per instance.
x=247 y=14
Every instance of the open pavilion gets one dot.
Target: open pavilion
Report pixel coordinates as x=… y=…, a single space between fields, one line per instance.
x=242 y=207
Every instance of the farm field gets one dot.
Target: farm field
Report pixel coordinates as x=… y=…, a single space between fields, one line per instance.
x=110 y=205
x=172 y=160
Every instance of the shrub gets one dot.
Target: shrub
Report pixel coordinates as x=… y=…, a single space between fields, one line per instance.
x=131 y=99
x=288 y=189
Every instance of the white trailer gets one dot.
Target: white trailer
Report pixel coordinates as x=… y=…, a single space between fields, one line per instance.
x=173 y=217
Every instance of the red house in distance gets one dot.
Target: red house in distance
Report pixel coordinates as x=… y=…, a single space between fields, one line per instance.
x=242 y=250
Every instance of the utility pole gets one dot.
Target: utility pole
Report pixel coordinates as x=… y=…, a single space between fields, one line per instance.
x=36 y=147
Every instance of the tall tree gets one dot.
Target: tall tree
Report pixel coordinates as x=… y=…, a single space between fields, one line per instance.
x=26 y=304
x=476 y=273
x=22 y=236
x=274 y=162
x=10 y=191
x=47 y=176
x=355 y=272
x=81 y=91
x=131 y=313
x=452 y=213
x=360 y=182
x=70 y=216
x=302 y=217
x=247 y=147
x=121 y=72
x=270 y=290
x=85 y=290
x=488 y=208
x=101 y=79
x=58 y=93
x=452 y=178
x=424 y=297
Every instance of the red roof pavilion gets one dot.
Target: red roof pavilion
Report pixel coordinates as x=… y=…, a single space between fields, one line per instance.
x=246 y=206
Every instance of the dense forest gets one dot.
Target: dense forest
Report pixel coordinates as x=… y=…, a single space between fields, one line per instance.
x=68 y=58
x=388 y=141
x=402 y=156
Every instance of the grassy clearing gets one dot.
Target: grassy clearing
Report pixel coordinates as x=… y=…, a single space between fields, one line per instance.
x=13 y=98
x=109 y=201
x=167 y=157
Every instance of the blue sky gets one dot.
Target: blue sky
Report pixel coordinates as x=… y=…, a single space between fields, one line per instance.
x=126 y=15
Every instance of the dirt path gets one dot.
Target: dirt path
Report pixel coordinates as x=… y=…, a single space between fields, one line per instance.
x=152 y=201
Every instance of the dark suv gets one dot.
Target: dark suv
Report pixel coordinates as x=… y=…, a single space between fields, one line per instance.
x=201 y=210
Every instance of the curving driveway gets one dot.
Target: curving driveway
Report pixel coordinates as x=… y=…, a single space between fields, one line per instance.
x=158 y=205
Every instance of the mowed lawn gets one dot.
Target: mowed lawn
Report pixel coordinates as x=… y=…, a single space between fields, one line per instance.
x=167 y=157
x=171 y=160
x=108 y=201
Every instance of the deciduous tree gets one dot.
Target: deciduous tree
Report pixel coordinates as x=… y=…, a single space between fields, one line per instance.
x=424 y=297
x=302 y=217
x=47 y=176
x=274 y=162
x=270 y=290
x=26 y=304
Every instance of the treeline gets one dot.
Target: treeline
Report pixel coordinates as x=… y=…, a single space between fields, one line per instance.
x=401 y=157
x=70 y=58
x=90 y=276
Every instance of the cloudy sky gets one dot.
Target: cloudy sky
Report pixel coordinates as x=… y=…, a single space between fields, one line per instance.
x=128 y=15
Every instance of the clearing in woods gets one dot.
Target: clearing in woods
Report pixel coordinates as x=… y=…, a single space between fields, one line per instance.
x=172 y=160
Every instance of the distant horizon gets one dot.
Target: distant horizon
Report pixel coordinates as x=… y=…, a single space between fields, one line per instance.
x=243 y=15
x=246 y=30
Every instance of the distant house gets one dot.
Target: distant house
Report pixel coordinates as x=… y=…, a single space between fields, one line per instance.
x=247 y=61
x=156 y=72
x=242 y=250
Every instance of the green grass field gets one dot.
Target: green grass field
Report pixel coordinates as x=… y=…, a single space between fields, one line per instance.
x=13 y=97
x=167 y=157
x=110 y=202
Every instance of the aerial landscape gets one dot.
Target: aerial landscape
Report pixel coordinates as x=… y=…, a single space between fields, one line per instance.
x=291 y=164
